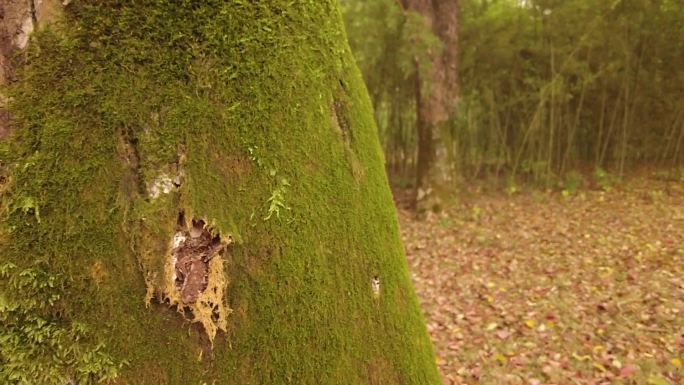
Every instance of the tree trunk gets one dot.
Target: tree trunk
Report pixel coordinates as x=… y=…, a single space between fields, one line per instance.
x=436 y=98
x=15 y=16
x=194 y=192
x=18 y=18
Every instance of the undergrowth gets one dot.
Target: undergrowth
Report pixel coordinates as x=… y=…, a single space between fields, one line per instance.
x=38 y=343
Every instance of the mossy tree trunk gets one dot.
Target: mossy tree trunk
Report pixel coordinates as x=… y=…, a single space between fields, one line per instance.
x=193 y=192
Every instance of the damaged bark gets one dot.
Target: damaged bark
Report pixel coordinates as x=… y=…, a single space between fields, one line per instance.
x=194 y=280
x=340 y=123
x=193 y=250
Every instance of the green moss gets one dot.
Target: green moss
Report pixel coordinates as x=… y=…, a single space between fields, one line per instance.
x=238 y=96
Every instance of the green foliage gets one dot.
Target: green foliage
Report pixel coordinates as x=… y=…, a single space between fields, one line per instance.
x=573 y=181
x=254 y=155
x=568 y=84
x=28 y=205
x=603 y=179
x=512 y=187
x=37 y=344
x=276 y=201
x=545 y=87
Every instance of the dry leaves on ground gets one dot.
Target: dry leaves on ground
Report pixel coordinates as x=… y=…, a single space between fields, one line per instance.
x=536 y=288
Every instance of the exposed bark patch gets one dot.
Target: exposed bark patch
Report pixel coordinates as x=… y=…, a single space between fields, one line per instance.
x=340 y=123
x=163 y=184
x=196 y=281
x=133 y=182
x=47 y=12
x=166 y=183
x=375 y=286
x=4 y=179
x=193 y=249
x=234 y=165
x=20 y=19
x=4 y=119
x=98 y=272
x=340 y=119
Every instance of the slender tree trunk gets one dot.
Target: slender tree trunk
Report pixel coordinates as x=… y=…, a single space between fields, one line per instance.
x=436 y=98
x=572 y=133
x=194 y=192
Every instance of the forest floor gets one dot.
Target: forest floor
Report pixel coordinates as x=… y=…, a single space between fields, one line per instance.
x=541 y=288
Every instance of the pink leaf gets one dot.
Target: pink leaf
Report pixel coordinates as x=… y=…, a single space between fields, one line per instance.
x=503 y=334
x=627 y=371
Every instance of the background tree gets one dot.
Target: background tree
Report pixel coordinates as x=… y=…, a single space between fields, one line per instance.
x=408 y=54
x=194 y=193
x=436 y=91
x=549 y=92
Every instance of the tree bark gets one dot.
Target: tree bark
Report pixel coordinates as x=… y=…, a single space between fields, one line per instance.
x=15 y=16
x=18 y=18
x=436 y=98
x=194 y=192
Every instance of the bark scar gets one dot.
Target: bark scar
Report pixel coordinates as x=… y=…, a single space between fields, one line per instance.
x=193 y=249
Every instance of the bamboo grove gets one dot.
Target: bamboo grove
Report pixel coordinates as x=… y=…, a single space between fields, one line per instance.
x=547 y=88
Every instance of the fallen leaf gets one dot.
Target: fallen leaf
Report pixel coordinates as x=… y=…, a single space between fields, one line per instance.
x=616 y=364
x=503 y=334
x=580 y=358
x=657 y=380
x=627 y=371
x=501 y=358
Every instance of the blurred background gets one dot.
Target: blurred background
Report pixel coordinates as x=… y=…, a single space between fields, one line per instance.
x=539 y=91
x=536 y=153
